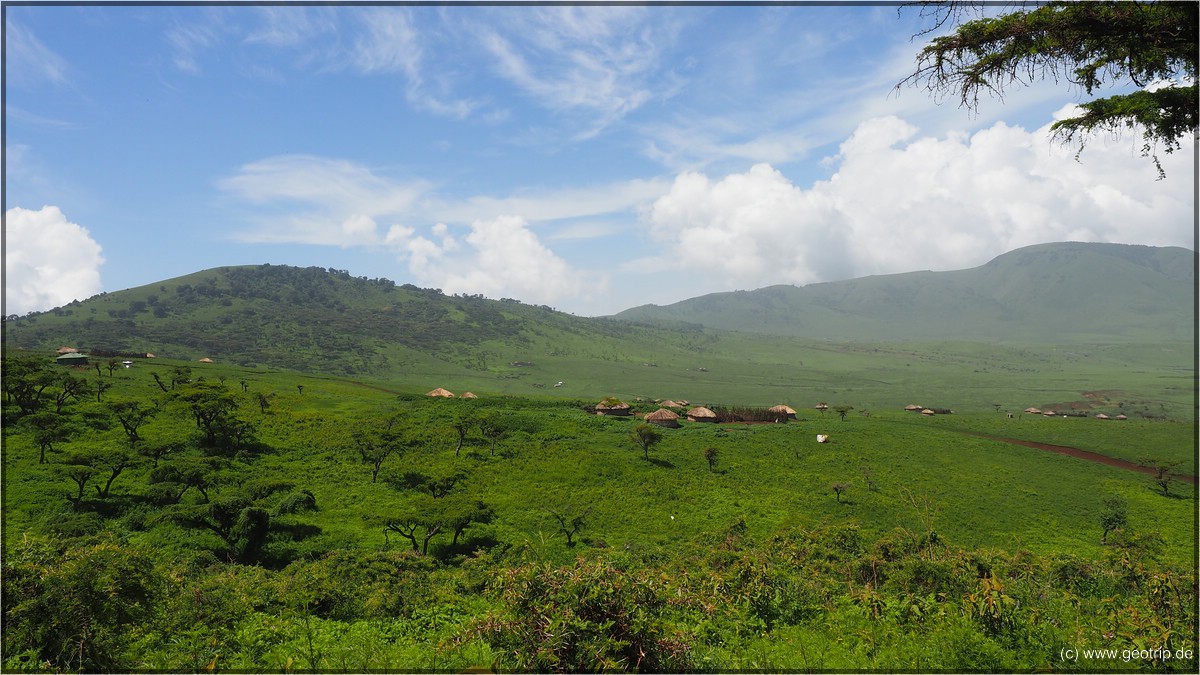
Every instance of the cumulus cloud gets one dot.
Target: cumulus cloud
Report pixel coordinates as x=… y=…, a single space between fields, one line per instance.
x=899 y=201
x=48 y=260
x=498 y=257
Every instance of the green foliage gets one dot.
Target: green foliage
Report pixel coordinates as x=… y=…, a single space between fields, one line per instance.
x=645 y=436
x=1114 y=516
x=586 y=617
x=76 y=608
x=1089 y=44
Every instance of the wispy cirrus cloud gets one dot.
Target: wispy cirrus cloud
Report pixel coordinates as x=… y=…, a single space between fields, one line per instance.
x=28 y=61
x=602 y=61
x=315 y=200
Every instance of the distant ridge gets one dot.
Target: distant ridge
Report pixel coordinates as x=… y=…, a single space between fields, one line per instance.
x=1061 y=292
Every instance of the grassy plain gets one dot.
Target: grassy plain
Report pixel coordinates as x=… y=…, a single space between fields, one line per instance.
x=905 y=476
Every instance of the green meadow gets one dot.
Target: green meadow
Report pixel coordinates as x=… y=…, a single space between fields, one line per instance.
x=519 y=531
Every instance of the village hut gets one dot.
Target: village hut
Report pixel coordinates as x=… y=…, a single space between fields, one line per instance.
x=912 y=408
x=822 y=406
x=1033 y=411
x=206 y=360
x=1048 y=413
x=469 y=395
x=67 y=350
x=671 y=404
x=1120 y=417
x=72 y=359
x=1101 y=416
x=701 y=414
x=612 y=406
x=663 y=418
x=440 y=393
x=783 y=410
x=928 y=411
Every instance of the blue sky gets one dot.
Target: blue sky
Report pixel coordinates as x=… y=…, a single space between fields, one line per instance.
x=588 y=158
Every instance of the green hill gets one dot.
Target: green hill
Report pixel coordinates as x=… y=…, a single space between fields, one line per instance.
x=1065 y=292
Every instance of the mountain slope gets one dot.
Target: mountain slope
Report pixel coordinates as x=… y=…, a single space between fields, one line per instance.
x=318 y=320
x=1045 y=293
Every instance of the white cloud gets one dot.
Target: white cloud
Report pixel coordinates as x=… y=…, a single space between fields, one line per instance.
x=600 y=60
x=48 y=260
x=899 y=202
x=315 y=200
x=502 y=258
x=28 y=61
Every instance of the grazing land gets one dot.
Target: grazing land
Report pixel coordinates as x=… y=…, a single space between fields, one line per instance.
x=293 y=507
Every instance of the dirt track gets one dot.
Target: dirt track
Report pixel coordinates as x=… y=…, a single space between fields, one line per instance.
x=1083 y=454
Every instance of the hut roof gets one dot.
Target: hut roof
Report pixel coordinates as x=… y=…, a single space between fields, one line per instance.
x=701 y=411
x=1120 y=417
x=469 y=395
x=206 y=360
x=67 y=350
x=611 y=403
x=1101 y=416
x=781 y=409
x=672 y=404
x=1033 y=411
x=662 y=414
x=440 y=392
x=910 y=406
x=927 y=411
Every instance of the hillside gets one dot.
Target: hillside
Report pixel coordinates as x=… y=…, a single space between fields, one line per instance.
x=1065 y=292
x=326 y=321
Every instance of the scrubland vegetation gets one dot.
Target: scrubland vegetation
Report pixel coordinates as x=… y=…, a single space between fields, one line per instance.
x=177 y=516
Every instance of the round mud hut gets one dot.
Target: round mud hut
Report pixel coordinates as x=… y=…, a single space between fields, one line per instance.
x=664 y=418
x=440 y=393
x=701 y=414
x=782 y=413
x=613 y=406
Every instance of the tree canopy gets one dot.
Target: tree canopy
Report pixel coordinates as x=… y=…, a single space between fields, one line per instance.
x=1090 y=44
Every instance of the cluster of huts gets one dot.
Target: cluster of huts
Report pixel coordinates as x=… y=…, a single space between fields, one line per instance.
x=665 y=417
x=1053 y=413
x=927 y=411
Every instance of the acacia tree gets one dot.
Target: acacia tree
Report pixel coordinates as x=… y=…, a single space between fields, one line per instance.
x=1088 y=44
x=131 y=415
x=570 y=522
x=1114 y=516
x=645 y=436
x=48 y=429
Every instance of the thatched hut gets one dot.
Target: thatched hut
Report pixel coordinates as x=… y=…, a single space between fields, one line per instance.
x=1033 y=411
x=67 y=350
x=672 y=404
x=663 y=418
x=469 y=395
x=913 y=408
x=927 y=411
x=1101 y=416
x=440 y=393
x=206 y=360
x=613 y=406
x=783 y=411
x=701 y=414
x=1120 y=417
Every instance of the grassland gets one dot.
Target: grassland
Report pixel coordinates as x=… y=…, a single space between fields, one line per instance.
x=281 y=553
